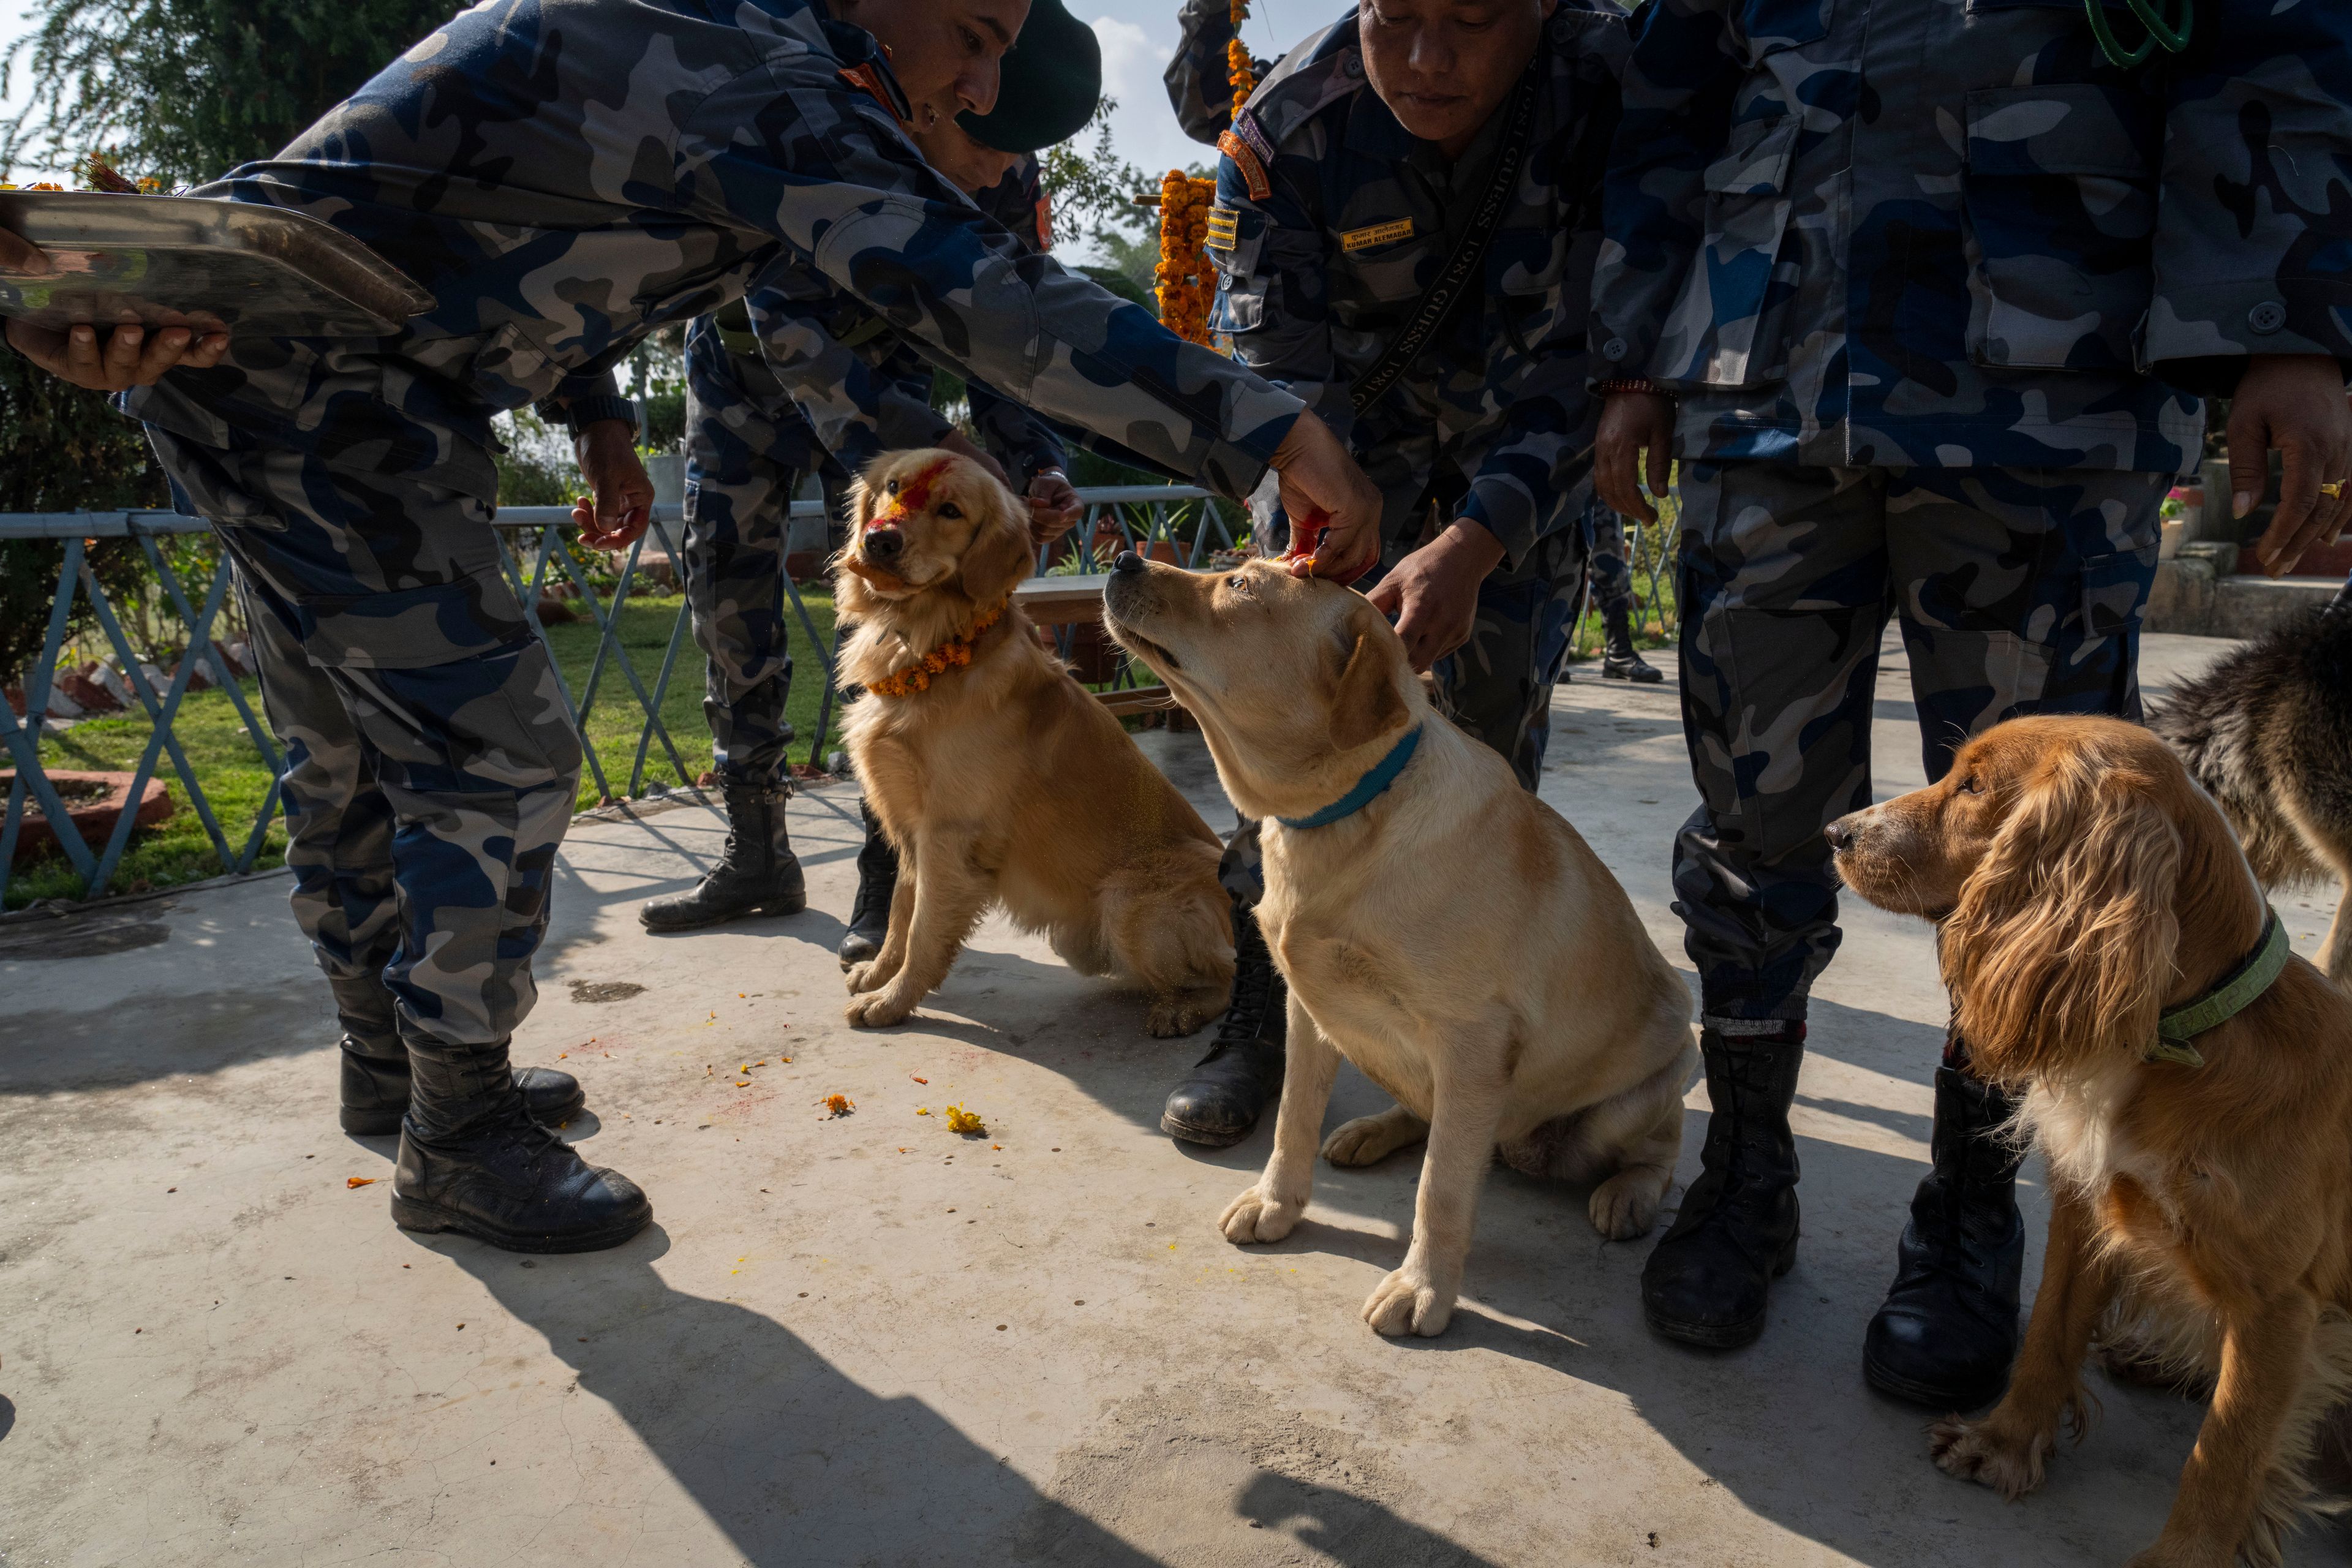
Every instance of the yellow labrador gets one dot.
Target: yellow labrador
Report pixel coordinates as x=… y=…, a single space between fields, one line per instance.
x=1398 y=851
x=1000 y=779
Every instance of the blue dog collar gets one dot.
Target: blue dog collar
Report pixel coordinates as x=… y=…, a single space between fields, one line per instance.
x=1367 y=788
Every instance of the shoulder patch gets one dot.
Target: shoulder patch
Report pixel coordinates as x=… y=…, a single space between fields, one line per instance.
x=1224 y=229
x=1377 y=234
x=1245 y=159
x=1245 y=126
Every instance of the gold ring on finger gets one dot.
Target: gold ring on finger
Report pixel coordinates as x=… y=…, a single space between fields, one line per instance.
x=2334 y=489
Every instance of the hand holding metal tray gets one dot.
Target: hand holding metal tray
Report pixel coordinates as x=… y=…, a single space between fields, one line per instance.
x=193 y=261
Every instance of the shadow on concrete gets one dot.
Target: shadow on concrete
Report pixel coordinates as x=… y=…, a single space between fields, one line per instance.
x=58 y=1050
x=1352 y=1531
x=799 y=1465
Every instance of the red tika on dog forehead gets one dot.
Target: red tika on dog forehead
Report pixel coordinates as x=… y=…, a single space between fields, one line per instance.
x=914 y=494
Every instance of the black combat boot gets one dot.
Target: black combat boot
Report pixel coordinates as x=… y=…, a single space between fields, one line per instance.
x=1705 y=1282
x=877 y=874
x=1220 y=1101
x=375 y=1077
x=473 y=1160
x=1620 y=660
x=757 y=874
x=1947 y=1333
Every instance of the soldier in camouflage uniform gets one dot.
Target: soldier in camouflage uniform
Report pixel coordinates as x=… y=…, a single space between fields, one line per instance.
x=564 y=176
x=1610 y=574
x=1924 y=298
x=1332 y=220
x=747 y=443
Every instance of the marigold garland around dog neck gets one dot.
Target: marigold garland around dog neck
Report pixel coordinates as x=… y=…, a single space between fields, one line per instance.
x=953 y=653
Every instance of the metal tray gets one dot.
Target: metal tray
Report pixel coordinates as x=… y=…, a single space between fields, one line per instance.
x=194 y=261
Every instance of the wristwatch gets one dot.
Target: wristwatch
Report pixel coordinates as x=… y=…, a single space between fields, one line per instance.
x=577 y=414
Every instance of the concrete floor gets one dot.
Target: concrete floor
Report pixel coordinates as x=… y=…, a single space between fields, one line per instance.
x=866 y=1340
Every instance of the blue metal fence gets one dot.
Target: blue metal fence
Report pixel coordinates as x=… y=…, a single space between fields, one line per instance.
x=532 y=543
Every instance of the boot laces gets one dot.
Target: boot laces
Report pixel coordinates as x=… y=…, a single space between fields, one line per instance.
x=1254 y=990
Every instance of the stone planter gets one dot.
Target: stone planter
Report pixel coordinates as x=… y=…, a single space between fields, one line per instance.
x=94 y=802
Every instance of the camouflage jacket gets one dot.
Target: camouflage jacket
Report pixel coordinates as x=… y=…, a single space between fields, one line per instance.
x=838 y=383
x=1199 y=78
x=1330 y=223
x=565 y=175
x=1924 y=231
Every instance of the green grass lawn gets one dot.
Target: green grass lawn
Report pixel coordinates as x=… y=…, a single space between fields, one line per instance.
x=617 y=719
x=236 y=777
x=232 y=770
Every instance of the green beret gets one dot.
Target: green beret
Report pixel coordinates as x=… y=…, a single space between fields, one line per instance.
x=1052 y=79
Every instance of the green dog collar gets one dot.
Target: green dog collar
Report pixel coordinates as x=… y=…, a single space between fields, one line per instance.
x=2237 y=991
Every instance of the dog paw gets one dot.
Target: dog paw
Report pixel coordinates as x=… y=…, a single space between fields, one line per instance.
x=1985 y=1452
x=1168 y=1019
x=1256 y=1217
x=1366 y=1140
x=1625 y=1206
x=867 y=976
x=877 y=1010
x=1407 y=1301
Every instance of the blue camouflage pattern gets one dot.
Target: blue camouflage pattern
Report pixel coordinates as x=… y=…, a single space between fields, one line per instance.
x=1610 y=571
x=2019 y=590
x=1325 y=267
x=1921 y=232
x=425 y=790
x=565 y=176
x=749 y=443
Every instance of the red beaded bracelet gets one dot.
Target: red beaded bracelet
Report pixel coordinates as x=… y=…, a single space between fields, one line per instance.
x=1630 y=383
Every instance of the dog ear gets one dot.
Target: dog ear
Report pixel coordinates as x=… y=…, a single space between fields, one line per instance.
x=1000 y=554
x=2062 y=947
x=1364 y=700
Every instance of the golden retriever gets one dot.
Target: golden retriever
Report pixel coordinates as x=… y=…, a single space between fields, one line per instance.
x=999 y=778
x=1453 y=938
x=2083 y=885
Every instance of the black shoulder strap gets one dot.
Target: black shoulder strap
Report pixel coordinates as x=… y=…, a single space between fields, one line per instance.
x=1457 y=277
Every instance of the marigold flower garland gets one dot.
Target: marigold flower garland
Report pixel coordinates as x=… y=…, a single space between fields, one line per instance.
x=953 y=653
x=1187 y=281
x=1239 y=69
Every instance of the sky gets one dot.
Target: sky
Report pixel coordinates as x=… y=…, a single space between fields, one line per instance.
x=1138 y=38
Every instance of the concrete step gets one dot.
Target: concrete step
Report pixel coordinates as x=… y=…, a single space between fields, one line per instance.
x=2196 y=593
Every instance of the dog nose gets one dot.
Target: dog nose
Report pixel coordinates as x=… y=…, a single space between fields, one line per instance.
x=1127 y=564
x=1839 y=834
x=884 y=545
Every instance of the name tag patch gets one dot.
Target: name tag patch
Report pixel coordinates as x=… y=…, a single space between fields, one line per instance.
x=1224 y=229
x=1245 y=126
x=1378 y=234
x=1246 y=160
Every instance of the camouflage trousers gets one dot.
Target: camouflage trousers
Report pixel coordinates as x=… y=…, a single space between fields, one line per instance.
x=740 y=475
x=2020 y=591
x=430 y=764
x=1612 y=574
x=1497 y=686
